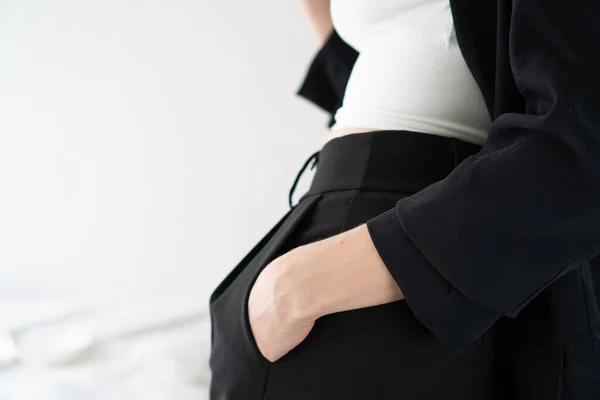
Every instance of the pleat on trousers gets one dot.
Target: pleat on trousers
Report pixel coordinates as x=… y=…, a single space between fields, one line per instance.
x=380 y=352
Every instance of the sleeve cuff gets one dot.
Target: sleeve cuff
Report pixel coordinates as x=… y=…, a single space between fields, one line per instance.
x=453 y=318
x=328 y=74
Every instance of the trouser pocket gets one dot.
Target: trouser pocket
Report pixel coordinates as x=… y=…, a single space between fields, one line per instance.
x=239 y=371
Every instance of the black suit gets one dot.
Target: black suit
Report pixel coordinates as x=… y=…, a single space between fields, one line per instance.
x=509 y=238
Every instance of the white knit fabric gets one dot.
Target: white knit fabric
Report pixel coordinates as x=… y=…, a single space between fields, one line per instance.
x=410 y=73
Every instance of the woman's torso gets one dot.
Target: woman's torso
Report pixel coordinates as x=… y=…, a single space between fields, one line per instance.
x=410 y=73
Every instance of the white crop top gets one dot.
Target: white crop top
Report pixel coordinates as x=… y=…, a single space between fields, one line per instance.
x=410 y=73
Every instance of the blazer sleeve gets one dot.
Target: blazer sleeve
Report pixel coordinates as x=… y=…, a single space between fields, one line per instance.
x=327 y=76
x=513 y=218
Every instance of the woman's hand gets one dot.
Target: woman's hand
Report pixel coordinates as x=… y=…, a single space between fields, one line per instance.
x=277 y=319
x=342 y=272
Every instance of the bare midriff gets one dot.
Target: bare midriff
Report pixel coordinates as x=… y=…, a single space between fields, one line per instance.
x=347 y=131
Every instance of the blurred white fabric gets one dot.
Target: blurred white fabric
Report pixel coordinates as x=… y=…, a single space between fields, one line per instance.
x=140 y=351
x=137 y=160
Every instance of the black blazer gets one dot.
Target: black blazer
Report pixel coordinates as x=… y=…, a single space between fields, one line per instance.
x=508 y=240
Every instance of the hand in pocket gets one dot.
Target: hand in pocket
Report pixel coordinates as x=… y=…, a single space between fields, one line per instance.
x=278 y=319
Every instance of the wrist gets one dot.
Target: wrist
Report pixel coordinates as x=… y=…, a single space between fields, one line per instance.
x=345 y=272
x=339 y=273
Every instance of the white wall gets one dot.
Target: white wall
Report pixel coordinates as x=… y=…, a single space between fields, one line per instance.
x=145 y=146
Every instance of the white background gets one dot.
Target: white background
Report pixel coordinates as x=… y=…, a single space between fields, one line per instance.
x=145 y=146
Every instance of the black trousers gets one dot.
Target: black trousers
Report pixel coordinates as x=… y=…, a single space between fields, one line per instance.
x=380 y=352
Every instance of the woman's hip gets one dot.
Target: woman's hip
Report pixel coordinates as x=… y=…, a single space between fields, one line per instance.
x=376 y=352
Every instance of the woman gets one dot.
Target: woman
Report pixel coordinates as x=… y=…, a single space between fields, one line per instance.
x=446 y=247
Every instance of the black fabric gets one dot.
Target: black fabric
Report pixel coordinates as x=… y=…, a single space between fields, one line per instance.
x=506 y=237
x=326 y=78
x=489 y=251
x=381 y=352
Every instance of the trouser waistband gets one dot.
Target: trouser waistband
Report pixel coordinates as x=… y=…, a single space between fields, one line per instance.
x=391 y=160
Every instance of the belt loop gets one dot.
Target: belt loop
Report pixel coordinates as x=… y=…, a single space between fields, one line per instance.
x=454 y=150
x=463 y=149
x=315 y=157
